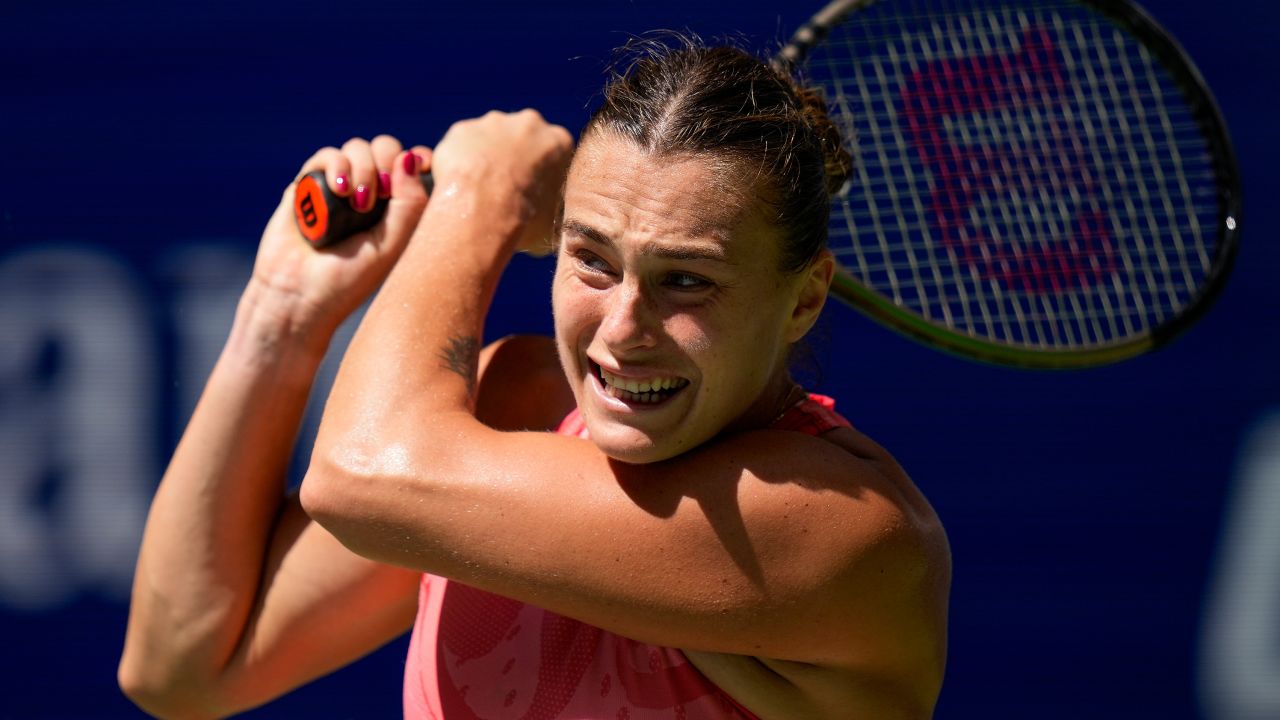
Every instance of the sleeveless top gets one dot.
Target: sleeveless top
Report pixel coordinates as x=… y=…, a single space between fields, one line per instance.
x=474 y=655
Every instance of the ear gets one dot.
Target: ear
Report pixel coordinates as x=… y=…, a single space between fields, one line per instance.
x=812 y=295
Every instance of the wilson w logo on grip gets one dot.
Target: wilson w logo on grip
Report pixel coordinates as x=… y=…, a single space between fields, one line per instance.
x=324 y=218
x=311 y=208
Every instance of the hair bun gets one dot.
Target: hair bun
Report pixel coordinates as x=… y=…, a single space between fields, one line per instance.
x=837 y=162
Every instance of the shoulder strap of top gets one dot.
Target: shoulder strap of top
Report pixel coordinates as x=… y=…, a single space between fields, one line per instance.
x=572 y=425
x=813 y=415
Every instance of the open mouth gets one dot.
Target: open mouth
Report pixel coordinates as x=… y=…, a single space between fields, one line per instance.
x=639 y=391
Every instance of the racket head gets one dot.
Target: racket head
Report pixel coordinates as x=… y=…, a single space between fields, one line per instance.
x=1037 y=183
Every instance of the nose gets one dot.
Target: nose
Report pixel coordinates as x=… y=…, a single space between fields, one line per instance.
x=630 y=321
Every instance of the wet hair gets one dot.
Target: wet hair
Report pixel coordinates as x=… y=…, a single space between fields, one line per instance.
x=673 y=95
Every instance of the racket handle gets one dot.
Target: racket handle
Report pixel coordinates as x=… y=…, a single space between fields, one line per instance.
x=324 y=218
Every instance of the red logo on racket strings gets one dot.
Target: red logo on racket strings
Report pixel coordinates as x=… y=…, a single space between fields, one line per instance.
x=1022 y=94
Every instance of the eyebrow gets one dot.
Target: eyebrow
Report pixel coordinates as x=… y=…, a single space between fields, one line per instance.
x=688 y=252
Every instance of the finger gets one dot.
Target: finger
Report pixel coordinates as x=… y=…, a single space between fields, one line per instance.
x=337 y=170
x=425 y=156
x=364 y=173
x=408 y=199
x=385 y=148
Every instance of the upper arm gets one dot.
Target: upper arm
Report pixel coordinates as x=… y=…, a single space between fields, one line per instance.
x=320 y=607
x=769 y=543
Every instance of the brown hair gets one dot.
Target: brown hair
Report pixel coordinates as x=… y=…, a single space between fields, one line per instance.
x=723 y=102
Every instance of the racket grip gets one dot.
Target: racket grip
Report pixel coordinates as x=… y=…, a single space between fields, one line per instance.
x=325 y=218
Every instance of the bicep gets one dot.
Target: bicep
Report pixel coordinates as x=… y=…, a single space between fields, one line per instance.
x=745 y=546
x=757 y=545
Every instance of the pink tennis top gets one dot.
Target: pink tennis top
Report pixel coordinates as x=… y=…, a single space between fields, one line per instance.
x=479 y=656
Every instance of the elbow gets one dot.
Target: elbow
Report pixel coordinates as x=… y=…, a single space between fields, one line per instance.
x=340 y=498
x=321 y=494
x=361 y=499
x=364 y=492
x=166 y=679
x=135 y=687
x=163 y=697
x=331 y=486
x=151 y=698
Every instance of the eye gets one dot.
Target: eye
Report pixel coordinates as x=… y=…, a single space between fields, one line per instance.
x=591 y=262
x=685 y=281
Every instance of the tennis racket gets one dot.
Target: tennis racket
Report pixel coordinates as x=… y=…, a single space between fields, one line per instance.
x=1037 y=183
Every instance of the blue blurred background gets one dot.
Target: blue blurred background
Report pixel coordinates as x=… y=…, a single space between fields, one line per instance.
x=1116 y=532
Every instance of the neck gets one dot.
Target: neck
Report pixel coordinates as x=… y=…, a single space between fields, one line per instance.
x=780 y=396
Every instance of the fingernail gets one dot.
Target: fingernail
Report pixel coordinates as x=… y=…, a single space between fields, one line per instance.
x=384 y=184
x=411 y=163
x=342 y=184
x=362 y=197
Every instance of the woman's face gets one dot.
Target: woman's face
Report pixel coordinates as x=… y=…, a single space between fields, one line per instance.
x=672 y=318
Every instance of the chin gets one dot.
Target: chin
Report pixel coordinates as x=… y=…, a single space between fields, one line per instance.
x=631 y=446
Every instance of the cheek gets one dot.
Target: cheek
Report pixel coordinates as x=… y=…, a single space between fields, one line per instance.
x=744 y=350
x=561 y=322
x=693 y=337
x=573 y=311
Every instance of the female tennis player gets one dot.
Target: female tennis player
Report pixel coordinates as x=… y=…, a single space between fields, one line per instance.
x=642 y=518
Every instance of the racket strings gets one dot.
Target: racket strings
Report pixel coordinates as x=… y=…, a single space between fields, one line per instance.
x=1029 y=175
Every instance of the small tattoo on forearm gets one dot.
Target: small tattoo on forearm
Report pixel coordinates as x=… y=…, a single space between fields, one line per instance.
x=462 y=356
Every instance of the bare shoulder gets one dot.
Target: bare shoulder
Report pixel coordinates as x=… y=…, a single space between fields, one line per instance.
x=877 y=622
x=908 y=631
x=522 y=385
x=873 y=458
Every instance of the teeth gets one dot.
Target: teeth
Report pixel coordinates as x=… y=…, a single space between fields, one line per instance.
x=644 y=390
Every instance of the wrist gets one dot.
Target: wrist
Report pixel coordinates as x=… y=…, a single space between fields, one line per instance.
x=274 y=328
x=482 y=214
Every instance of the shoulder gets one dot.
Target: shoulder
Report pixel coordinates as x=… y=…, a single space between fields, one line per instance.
x=872 y=564
x=520 y=353
x=522 y=385
x=838 y=504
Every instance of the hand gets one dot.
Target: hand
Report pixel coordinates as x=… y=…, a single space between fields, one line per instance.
x=516 y=158
x=318 y=289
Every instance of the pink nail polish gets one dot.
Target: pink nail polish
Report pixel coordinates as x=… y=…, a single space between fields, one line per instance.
x=411 y=163
x=343 y=185
x=384 y=184
x=362 y=196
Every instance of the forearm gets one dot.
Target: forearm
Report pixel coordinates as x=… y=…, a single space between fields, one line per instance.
x=402 y=406
x=210 y=524
x=414 y=357
x=404 y=397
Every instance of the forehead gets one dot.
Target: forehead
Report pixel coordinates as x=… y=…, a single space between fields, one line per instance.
x=614 y=181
